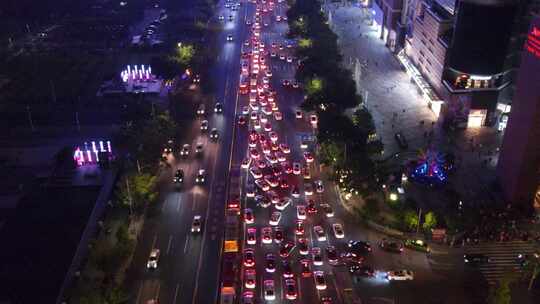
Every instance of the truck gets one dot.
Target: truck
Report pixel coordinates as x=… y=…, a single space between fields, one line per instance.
x=228 y=275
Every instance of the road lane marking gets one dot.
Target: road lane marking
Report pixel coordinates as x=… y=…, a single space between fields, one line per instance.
x=154 y=241
x=178 y=206
x=139 y=293
x=186 y=244
x=176 y=293
x=170 y=244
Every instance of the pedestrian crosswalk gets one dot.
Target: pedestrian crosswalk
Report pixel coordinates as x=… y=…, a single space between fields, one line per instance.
x=503 y=257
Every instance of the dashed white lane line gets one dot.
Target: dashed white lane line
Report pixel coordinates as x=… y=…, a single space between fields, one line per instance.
x=169 y=245
x=186 y=245
x=176 y=293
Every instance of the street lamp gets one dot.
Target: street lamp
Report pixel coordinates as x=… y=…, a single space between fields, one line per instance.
x=179 y=44
x=393 y=196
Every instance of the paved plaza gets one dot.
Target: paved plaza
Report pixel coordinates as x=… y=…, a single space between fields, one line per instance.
x=397 y=106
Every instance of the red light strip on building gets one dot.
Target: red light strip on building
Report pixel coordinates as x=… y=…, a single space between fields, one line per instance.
x=532 y=45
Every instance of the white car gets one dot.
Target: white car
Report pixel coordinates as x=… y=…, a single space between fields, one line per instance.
x=400 y=275
x=316 y=255
x=319 y=232
x=185 y=150
x=338 y=231
x=301 y=212
x=201 y=176
x=319 y=186
x=251 y=237
x=269 y=290
x=283 y=203
x=245 y=110
x=262 y=185
x=250 y=279
x=204 y=125
x=196 y=224
x=275 y=218
x=229 y=38
x=153 y=259
x=320 y=281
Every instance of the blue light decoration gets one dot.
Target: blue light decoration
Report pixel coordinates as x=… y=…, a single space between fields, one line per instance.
x=431 y=169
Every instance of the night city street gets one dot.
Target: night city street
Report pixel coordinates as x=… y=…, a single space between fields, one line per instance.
x=270 y=151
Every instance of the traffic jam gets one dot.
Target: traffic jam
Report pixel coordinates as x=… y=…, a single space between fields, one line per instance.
x=292 y=242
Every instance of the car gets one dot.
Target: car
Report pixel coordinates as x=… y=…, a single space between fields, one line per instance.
x=273 y=54
x=303 y=247
x=276 y=171
x=185 y=150
x=287 y=168
x=289 y=59
x=306 y=174
x=308 y=157
x=261 y=164
x=305 y=269
x=153 y=259
x=231 y=17
x=299 y=228
x=304 y=144
x=338 y=230
x=254 y=153
x=214 y=134
x=249 y=218
x=320 y=281
x=257 y=124
x=286 y=82
x=266 y=235
x=269 y=290
x=359 y=247
x=319 y=232
x=278 y=235
x=316 y=256
x=400 y=275
x=295 y=192
x=268 y=73
x=476 y=258
x=178 y=176
x=361 y=270
x=251 y=237
x=262 y=185
x=327 y=209
x=319 y=186
x=248 y=297
x=268 y=127
x=255 y=172
x=283 y=203
x=275 y=218
x=308 y=189
x=281 y=56
x=284 y=148
x=295 y=84
x=270 y=263
x=290 y=289
x=250 y=278
x=218 y=108
x=250 y=190
x=273 y=136
x=401 y=140
x=199 y=148
x=313 y=119
x=262 y=201
x=245 y=163
x=297 y=169
x=311 y=209
x=221 y=17
x=196 y=224
x=201 y=176
x=285 y=249
x=201 y=109
x=274 y=197
x=283 y=183
x=245 y=110
x=331 y=254
x=249 y=257
x=229 y=38
x=392 y=246
x=298 y=114
x=271 y=180
x=301 y=212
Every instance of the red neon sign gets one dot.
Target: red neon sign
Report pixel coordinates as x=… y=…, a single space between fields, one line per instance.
x=532 y=45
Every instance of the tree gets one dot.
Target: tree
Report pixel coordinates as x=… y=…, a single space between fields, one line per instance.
x=183 y=54
x=430 y=221
x=135 y=191
x=371 y=208
x=116 y=295
x=314 y=86
x=410 y=219
x=122 y=234
x=501 y=293
x=331 y=153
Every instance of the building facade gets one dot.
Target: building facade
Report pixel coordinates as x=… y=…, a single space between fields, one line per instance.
x=519 y=160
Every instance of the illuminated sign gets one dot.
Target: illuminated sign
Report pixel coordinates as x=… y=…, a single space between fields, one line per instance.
x=89 y=153
x=532 y=45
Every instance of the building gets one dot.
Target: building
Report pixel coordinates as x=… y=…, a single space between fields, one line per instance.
x=460 y=48
x=519 y=160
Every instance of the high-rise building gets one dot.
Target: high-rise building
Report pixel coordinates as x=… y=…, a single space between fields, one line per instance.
x=519 y=160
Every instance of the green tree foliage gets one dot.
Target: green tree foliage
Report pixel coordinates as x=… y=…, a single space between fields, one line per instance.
x=122 y=234
x=410 y=219
x=331 y=153
x=501 y=293
x=430 y=221
x=183 y=54
x=142 y=191
x=116 y=295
